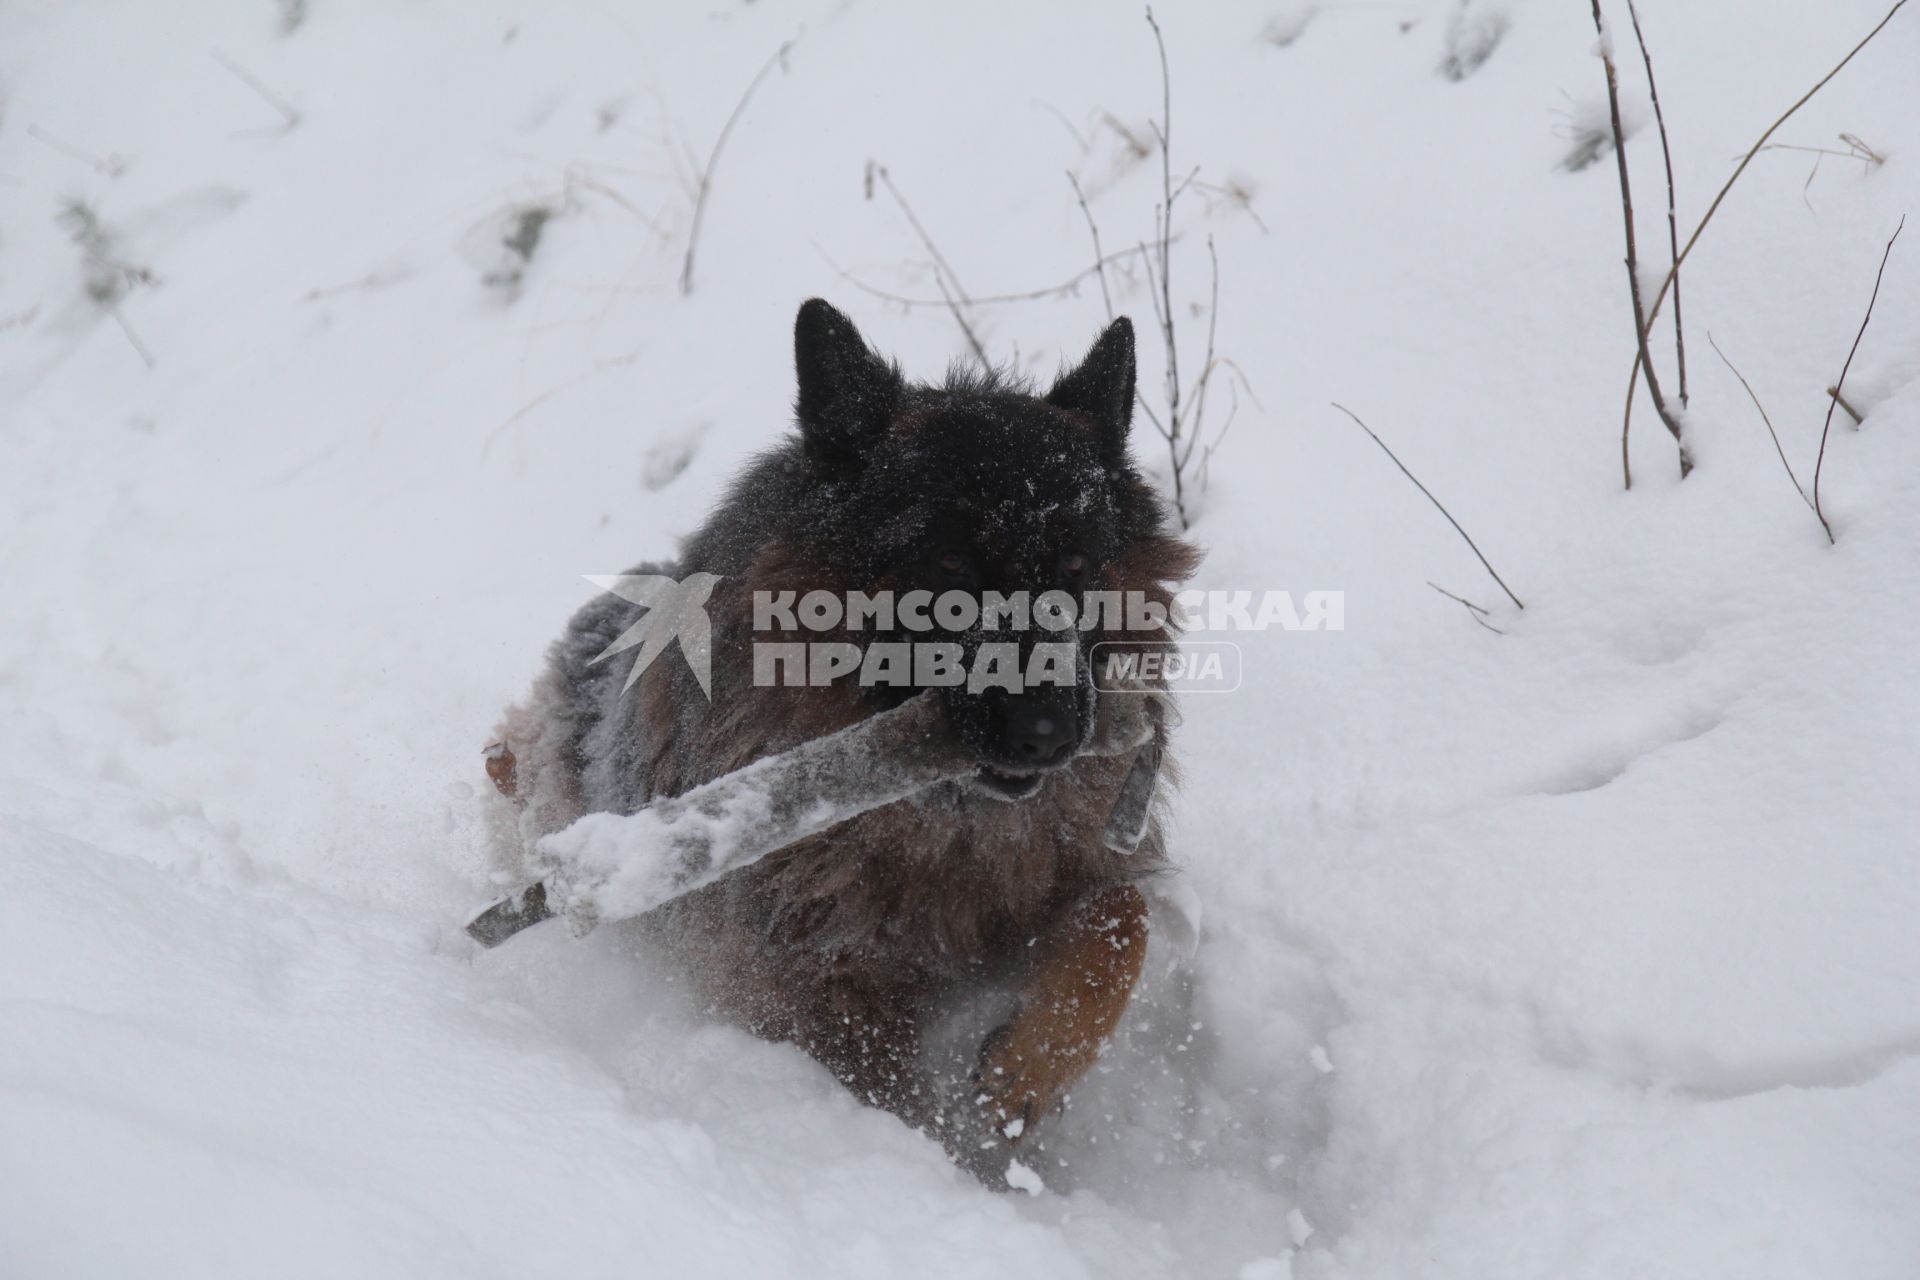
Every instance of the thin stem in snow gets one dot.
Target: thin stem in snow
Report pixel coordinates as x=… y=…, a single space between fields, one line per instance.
x=1751 y=395
x=1820 y=460
x=1438 y=505
x=1641 y=319
x=956 y=298
x=1674 y=271
x=1673 y=225
x=779 y=59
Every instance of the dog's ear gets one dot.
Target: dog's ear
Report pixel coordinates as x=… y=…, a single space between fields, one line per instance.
x=847 y=393
x=1102 y=387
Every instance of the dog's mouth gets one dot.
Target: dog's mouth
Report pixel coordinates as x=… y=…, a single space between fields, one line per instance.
x=1008 y=784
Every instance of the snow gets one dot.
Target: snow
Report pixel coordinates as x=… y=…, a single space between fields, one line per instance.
x=1603 y=924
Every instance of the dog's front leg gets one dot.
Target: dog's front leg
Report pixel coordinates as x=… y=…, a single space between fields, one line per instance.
x=1081 y=980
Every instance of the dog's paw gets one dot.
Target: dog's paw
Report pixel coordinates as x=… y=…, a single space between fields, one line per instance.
x=1026 y=1067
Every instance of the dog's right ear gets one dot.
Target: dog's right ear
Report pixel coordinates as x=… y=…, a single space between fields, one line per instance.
x=847 y=393
x=1102 y=387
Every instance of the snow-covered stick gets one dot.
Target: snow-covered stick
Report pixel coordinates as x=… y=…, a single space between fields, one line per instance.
x=608 y=866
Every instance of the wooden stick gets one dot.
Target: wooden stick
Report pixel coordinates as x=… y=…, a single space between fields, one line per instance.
x=1834 y=393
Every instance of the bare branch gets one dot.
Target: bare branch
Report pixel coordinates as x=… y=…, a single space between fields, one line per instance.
x=1220 y=436
x=1066 y=288
x=146 y=355
x=1079 y=138
x=1763 y=417
x=1199 y=413
x=960 y=318
x=1673 y=272
x=1820 y=460
x=1857 y=150
x=779 y=59
x=1474 y=611
x=956 y=298
x=1093 y=230
x=286 y=109
x=1673 y=226
x=110 y=164
x=1640 y=317
x=1435 y=501
x=1164 y=226
x=1707 y=217
x=1237 y=194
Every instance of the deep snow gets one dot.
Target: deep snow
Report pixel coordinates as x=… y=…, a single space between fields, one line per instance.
x=1586 y=949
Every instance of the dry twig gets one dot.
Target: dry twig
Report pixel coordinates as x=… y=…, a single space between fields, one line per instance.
x=1819 y=461
x=1199 y=394
x=1185 y=416
x=1833 y=393
x=955 y=298
x=1093 y=230
x=140 y=348
x=288 y=112
x=1441 y=507
x=1673 y=226
x=1751 y=395
x=1674 y=271
x=1069 y=287
x=111 y=164
x=779 y=59
x=1641 y=319
x=1474 y=611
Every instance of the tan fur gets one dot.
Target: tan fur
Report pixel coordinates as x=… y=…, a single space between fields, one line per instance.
x=1081 y=979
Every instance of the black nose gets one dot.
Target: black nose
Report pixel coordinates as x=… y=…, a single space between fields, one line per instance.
x=1040 y=736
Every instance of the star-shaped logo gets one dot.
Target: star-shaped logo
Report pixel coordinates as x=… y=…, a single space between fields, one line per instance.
x=673 y=608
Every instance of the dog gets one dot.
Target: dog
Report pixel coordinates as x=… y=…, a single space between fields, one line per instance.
x=851 y=944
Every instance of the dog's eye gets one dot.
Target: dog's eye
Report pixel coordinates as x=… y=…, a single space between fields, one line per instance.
x=1073 y=565
x=954 y=563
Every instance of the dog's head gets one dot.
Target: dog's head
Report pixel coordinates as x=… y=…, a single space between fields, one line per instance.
x=980 y=486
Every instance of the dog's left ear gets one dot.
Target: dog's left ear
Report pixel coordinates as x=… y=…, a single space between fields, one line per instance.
x=1102 y=387
x=847 y=393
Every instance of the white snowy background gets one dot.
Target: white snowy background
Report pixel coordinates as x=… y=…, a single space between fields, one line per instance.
x=1589 y=949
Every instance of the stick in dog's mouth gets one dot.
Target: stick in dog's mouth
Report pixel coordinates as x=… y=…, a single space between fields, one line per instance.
x=608 y=866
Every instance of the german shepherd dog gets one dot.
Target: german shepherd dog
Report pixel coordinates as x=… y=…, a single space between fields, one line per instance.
x=850 y=944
